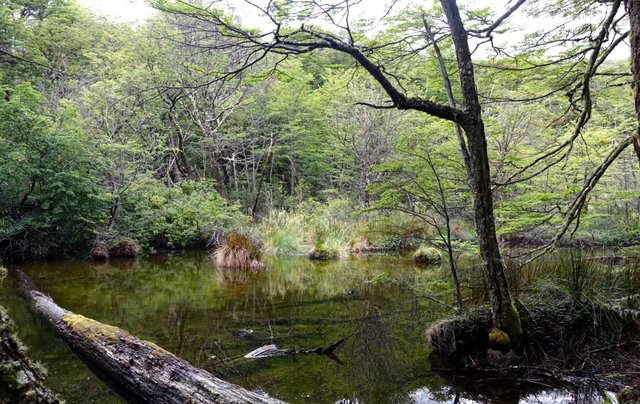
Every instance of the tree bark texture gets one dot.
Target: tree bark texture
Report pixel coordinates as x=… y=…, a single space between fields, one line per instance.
x=138 y=370
x=633 y=9
x=21 y=379
x=479 y=177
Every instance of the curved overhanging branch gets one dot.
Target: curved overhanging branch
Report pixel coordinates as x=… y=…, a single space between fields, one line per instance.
x=304 y=40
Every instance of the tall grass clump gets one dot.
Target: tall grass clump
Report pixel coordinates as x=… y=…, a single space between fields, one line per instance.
x=238 y=252
x=329 y=229
x=333 y=227
x=283 y=233
x=583 y=275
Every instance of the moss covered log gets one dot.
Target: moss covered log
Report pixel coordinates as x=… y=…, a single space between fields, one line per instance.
x=21 y=379
x=138 y=370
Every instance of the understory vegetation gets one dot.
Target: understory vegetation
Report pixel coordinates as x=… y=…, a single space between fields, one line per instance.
x=580 y=312
x=91 y=154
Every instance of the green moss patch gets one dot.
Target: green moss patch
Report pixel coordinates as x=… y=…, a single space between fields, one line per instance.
x=513 y=325
x=499 y=339
x=93 y=330
x=427 y=255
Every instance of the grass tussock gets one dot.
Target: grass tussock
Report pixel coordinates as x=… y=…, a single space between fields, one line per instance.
x=124 y=248
x=238 y=252
x=99 y=251
x=461 y=334
x=283 y=233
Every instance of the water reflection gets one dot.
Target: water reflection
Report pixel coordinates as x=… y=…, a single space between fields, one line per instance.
x=560 y=396
x=203 y=314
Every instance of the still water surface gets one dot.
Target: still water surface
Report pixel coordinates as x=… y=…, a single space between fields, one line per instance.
x=187 y=306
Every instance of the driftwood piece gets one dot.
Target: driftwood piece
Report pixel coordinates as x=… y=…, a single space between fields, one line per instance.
x=138 y=370
x=20 y=377
x=270 y=351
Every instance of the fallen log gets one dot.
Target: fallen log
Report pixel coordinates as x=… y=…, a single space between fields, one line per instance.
x=21 y=378
x=138 y=370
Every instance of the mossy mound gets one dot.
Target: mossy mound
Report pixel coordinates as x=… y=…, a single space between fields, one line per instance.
x=427 y=255
x=461 y=334
x=323 y=254
x=499 y=339
x=238 y=252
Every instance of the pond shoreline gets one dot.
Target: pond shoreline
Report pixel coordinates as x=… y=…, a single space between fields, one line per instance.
x=301 y=304
x=566 y=342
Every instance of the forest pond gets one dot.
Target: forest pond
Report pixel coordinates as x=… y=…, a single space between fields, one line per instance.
x=212 y=319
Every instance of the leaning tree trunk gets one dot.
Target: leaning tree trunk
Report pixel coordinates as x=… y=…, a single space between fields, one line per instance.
x=138 y=370
x=476 y=156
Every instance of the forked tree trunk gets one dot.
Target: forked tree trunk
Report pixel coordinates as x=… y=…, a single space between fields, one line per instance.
x=138 y=370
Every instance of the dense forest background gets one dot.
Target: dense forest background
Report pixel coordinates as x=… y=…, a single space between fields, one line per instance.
x=111 y=131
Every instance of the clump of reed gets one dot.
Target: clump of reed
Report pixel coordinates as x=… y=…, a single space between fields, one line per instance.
x=332 y=236
x=238 y=252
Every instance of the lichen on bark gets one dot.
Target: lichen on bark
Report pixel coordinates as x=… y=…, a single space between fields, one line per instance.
x=512 y=324
x=92 y=330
